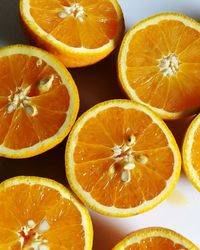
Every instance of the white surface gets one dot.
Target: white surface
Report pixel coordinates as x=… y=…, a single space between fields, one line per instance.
x=98 y=83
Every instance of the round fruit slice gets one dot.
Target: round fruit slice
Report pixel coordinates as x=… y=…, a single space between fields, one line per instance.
x=155 y=238
x=79 y=32
x=158 y=64
x=38 y=213
x=191 y=152
x=121 y=159
x=38 y=101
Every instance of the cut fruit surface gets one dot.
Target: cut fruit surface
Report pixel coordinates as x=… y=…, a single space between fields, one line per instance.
x=155 y=238
x=121 y=159
x=80 y=32
x=39 y=101
x=158 y=64
x=41 y=214
x=191 y=152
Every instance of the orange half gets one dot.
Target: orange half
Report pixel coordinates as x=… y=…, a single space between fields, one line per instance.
x=155 y=238
x=159 y=64
x=121 y=159
x=38 y=101
x=38 y=213
x=79 y=33
x=191 y=152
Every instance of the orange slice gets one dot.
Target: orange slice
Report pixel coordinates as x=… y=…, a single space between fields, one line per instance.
x=38 y=101
x=155 y=238
x=159 y=64
x=121 y=159
x=191 y=152
x=38 y=213
x=79 y=33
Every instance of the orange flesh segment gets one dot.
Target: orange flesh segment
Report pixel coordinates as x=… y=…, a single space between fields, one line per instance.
x=93 y=158
x=195 y=151
x=156 y=243
x=174 y=93
x=21 y=203
x=100 y=22
x=21 y=71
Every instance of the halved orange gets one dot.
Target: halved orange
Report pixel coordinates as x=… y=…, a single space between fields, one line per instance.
x=155 y=238
x=191 y=152
x=78 y=32
x=159 y=63
x=41 y=214
x=121 y=159
x=39 y=101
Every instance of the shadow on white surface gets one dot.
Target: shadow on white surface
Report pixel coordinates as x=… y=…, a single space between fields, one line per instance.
x=106 y=235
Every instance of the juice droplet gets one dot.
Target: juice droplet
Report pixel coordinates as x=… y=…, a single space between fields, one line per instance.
x=177 y=198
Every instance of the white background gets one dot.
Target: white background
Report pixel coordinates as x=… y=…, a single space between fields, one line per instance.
x=181 y=211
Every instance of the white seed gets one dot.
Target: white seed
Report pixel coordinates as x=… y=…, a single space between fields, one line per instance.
x=31 y=223
x=62 y=14
x=125 y=176
x=45 y=84
x=131 y=140
x=143 y=159
x=44 y=226
x=39 y=63
x=35 y=245
x=43 y=247
x=111 y=170
x=129 y=166
x=31 y=110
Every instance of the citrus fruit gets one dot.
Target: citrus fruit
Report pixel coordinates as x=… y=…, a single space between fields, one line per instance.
x=79 y=33
x=158 y=64
x=155 y=238
x=121 y=159
x=41 y=214
x=38 y=101
x=191 y=152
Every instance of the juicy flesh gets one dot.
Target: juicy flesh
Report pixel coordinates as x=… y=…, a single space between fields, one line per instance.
x=28 y=110
x=117 y=177
x=156 y=243
x=163 y=66
x=86 y=23
x=37 y=217
x=195 y=152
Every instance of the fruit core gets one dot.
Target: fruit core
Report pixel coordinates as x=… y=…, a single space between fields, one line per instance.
x=169 y=65
x=20 y=97
x=31 y=235
x=74 y=10
x=126 y=158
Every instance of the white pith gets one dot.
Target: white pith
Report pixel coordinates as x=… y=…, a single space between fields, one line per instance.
x=20 y=99
x=114 y=211
x=75 y=10
x=169 y=65
x=37 y=241
x=126 y=158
